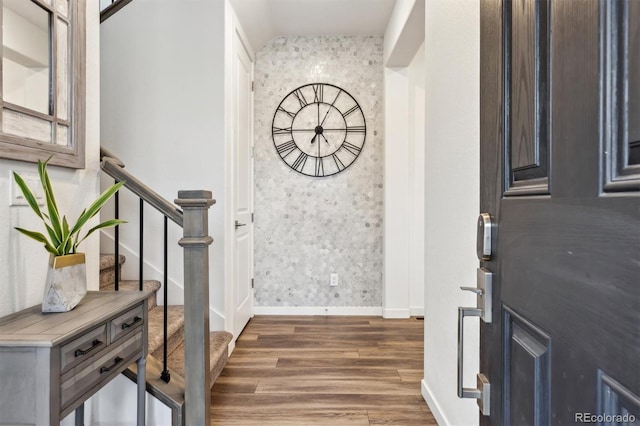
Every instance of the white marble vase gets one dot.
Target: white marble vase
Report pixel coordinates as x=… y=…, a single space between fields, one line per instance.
x=66 y=283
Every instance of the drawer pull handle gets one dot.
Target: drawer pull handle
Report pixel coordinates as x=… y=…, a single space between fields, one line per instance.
x=131 y=324
x=107 y=369
x=94 y=344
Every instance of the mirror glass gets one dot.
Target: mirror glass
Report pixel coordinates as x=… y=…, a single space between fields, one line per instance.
x=26 y=58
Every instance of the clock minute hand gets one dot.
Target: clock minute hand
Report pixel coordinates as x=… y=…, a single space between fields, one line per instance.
x=329 y=109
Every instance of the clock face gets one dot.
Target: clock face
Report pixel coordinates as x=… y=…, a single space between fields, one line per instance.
x=319 y=129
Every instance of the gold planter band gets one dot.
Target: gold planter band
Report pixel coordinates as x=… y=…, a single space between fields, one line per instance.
x=57 y=262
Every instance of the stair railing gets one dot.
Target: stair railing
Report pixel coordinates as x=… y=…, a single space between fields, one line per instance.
x=193 y=219
x=109 y=7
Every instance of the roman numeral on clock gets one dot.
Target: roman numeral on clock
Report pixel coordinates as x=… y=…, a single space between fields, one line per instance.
x=290 y=114
x=356 y=129
x=300 y=96
x=318 y=92
x=350 y=111
x=319 y=166
x=339 y=164
x=351 y=148
x=286 y=148
x=281 y=131
x=300 y=162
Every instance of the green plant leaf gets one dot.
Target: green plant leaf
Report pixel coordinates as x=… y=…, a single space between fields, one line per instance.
x=95 y=207
x=65 y=228
x=52 y=207
x=55 y=240
x=68 y=247
x=106 y=224
x=39 y=238
x=28 y=195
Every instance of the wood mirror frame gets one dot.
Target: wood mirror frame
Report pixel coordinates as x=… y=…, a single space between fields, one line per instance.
x=29 y=135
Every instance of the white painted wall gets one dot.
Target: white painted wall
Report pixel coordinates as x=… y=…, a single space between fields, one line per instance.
x=163 y=114
x=452 y=188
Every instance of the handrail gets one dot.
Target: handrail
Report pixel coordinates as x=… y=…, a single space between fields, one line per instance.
x=110 y=10
x=112 y=167
x=104 y=152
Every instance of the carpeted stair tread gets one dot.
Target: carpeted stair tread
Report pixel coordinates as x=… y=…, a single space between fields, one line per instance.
x=108 y=269
x=175 y=329
x=219 y=353
x=109 y=261
x=134 y=285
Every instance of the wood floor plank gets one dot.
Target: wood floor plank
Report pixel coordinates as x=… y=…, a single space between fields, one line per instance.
x=384 y=417
x=308 y=352
x=319 y=373
x=319 y=370
x=311 y=385
x=293 y=418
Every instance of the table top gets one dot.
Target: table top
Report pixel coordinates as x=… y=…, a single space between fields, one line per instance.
x=33 y=328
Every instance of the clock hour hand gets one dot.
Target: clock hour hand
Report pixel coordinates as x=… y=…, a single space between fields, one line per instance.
x=313 y=139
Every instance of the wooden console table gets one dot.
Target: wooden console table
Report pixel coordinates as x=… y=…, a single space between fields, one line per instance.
x=50 y=364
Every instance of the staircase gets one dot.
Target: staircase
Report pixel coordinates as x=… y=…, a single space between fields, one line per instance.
x=172 y=393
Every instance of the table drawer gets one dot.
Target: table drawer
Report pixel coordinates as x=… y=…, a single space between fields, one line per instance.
x=77 y=382
x=83 y=347
x=125 y=323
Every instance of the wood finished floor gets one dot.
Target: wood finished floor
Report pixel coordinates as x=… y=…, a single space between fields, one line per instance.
x=317 y=370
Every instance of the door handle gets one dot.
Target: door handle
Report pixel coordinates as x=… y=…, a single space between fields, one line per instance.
x=238 y=224
x=483 y=388
x=484 y=293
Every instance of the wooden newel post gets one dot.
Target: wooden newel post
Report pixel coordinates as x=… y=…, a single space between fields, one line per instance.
x=196 y=241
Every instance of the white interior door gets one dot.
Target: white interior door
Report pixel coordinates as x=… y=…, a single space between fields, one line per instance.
x=243 y=188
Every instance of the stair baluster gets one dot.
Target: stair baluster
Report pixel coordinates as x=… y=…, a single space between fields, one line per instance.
x=116 y=250
x=141 y=256
x=166 y=376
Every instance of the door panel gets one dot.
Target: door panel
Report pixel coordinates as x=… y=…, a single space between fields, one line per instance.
x=620 y=22
x=528 y=35
x=527 y=373
x=565 y=333
x=243 y=187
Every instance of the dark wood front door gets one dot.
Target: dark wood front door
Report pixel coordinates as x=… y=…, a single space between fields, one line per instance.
x=560 y=177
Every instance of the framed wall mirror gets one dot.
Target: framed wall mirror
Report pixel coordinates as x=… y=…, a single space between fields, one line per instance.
x=43 y=81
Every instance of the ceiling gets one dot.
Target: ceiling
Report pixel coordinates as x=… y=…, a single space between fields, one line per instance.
x=262 y=20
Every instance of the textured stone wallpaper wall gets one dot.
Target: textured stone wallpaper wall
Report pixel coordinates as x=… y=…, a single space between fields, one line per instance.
x=309 y=227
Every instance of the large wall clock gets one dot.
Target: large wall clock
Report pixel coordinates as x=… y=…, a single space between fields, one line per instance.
x=319 y=129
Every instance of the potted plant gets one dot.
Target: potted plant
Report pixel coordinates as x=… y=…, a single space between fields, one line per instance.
x=66 y=277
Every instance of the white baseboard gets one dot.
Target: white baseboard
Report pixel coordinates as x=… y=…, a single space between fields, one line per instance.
x=417 y=312
x=433 y=405
x=396 y=313
x=318 y=310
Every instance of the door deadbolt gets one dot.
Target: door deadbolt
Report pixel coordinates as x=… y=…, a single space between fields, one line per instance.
x=483 y=239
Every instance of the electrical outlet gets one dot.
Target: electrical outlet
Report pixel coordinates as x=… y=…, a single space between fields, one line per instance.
x=333 y=280
x=32 y=181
